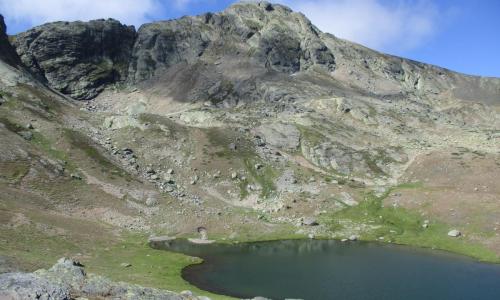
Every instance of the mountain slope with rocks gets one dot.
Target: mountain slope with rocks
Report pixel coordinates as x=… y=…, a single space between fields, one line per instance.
x=250 y=123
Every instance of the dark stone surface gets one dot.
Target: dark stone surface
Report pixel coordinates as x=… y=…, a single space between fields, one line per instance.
x=77 y=58
x=7 y=52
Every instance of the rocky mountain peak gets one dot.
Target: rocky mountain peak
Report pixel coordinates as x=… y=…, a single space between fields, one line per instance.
x=250 y=51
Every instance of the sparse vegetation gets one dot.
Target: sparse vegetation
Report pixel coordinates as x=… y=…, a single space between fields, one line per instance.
x=264 y=176
x=401 y=226
x=162 y=111
x=83 y=143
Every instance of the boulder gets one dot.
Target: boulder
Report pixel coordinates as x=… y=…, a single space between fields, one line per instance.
x=454 y=233
x=348 y=200
x=30 y=286
x=279 y=135
x=309 y=221
x=151 y=201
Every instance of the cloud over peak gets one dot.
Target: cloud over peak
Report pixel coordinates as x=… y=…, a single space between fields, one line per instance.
x=392 y=26
x=35 y=12
x=398 y=25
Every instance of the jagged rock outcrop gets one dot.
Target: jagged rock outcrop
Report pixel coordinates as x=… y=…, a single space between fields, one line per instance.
x=236 y=55
x=67 y=279
x=272 y=36
x=279 y=135
x=77 y=58
x=7 y=53
x=250 y=51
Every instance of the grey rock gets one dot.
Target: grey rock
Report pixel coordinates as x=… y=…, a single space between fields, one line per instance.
x=279 y=135
x=151 y=201
x=30 y=286
x=309 y=221
x=454 y=233
x=68 y=278
x=348 y=200
x=7 y=52
x=77 y=58
x=76 y=176
x=27 y=135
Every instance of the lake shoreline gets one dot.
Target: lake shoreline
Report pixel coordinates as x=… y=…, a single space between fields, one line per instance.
x=194 y=274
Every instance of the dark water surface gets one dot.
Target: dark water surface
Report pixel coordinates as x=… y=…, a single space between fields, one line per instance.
x=319 y=269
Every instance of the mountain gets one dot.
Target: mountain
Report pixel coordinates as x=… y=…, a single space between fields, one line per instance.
x=230 y=52
x=250 y=123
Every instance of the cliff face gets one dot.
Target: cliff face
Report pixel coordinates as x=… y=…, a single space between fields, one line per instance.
x=77 y=58
x=7 y=53
x=270 y=36
x=244 y=53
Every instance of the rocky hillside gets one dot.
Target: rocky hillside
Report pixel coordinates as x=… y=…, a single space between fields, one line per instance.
x=249 y=123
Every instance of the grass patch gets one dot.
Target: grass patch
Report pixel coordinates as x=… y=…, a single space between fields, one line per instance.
x=222 y=138
x=84 y=143
x=402 y=226
x=150 y=267
x=243 y=185
x=264 y=176
x=45 y=145
x=48 y=103
x=33 y=248
x=313 y=136
x=14 y=171
x=11 y=126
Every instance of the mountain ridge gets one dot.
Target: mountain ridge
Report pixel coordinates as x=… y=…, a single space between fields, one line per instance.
x=247 y=32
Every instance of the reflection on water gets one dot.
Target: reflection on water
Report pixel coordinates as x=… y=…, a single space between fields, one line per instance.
x=326 y=269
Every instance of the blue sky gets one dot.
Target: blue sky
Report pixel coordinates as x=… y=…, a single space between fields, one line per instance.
x=462 y=35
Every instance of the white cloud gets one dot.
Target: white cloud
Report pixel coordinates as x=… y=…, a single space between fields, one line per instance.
x=35 y=12
x=401 y=25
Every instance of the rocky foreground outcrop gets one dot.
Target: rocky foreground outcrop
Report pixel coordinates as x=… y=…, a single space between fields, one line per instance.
x=67 y=279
